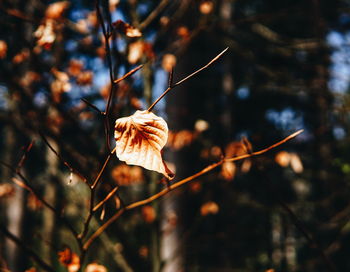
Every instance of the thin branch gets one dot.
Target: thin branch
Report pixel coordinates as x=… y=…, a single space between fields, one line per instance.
x=93 y=186
x=153 y=14
x=92 y=106
x=300 y=226
x=24 y=156
x=107 y=35
x=171 y=78
x=186 y=78
x=82 y=235
x=181 y=183
x=71 y=169
x=24 y=183
x=111 y=193
x=26 y=249
x=128 y=74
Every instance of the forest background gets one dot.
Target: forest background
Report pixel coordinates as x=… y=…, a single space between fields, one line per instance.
x=287 y=68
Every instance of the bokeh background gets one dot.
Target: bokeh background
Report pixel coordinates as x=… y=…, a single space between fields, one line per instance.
x=287 y=68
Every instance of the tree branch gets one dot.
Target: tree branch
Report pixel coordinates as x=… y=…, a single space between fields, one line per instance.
x=179 y=184
x=186 y=78
x=27 y=249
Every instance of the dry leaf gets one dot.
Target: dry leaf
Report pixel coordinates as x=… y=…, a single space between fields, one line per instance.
x=168 y=62
x=21 y=56
x=140 y=139
x=195 y=187
x=295 y=163
x=228 y=170
x=55 y=10
x=125 y=175
x=95 y=267
x=6 y=190
x=33 y=203
x=3 y=49
x=135 y=52
x=183 y=32
x=85 y=78
x=180 y=139
x=201 y=125
x=32 y=269
x=206 y=7
x=46 y=34
x=283 y=158
x=75 y=67
x=143 y=251
x=148 y=214
x=69 y=259
x=209 y=207
x=127 y=29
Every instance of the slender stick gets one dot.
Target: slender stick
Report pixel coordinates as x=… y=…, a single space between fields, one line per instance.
x=102 y=169
x=24 y=183
x=26 y=249
x=111 y=193
x=92 y=106
x=24 y=156
x=154 y=14
x=186 y=78
x=61 y=159
x=82 y=235
x=181 y=183
x=128 y=74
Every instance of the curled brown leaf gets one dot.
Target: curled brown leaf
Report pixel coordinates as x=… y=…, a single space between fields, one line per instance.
x=140 y=139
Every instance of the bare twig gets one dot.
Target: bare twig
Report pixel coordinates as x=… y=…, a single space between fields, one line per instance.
x=82 y=235
x=300 y=226
x=71 y=169
x=186 y=78
x=153 y=14
x=24 y=156
x=107 y=35
x=92 y=106
x=131 y=72
x=93 y=186
x=26 y=249
x=181 y=183
x=111 y=193
x=24 y=183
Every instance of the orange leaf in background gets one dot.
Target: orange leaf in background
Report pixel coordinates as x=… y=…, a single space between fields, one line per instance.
x=45 y=34
x=148 y=214
x=209 y=207
x=55 y=10
x=6 y=190
x=94 y=267
x=21 y=56
x=3 y=49
x=85 y=78
x=168 y=62
x=127 y=29
x=135 y=52
x=69 y=259
x=228 y=170
x=283 y=158
x=32 y=269
x=183 y=32
x=125 y=175
x=140 y=139
x=143 y=251
x=75 y=67
x=206 y=7
x=295 y=163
